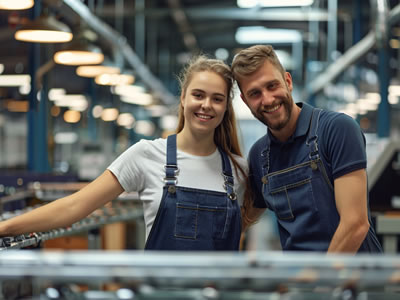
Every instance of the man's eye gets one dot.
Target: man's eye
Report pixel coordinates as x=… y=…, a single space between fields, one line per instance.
x=254 y=94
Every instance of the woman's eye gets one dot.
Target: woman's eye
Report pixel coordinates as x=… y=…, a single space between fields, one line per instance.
x=197 y=96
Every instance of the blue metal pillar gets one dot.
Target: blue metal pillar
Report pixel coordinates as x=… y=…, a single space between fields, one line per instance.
x=34 y=55
x=92 y=128
x=43 y=164
x=383 y=126
x=37 y=114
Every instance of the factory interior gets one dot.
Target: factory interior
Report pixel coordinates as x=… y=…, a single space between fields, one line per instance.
x=70 y=106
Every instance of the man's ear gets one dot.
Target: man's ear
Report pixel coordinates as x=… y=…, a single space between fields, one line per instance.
x=289 y=82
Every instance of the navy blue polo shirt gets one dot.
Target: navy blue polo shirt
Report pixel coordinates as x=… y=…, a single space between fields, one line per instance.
x=341 y=148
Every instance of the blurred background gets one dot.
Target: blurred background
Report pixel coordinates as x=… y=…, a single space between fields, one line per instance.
x=81 y=81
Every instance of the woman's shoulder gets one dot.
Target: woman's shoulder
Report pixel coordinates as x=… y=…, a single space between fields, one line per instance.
x=149 y=146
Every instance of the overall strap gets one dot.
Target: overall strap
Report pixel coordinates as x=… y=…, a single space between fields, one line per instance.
x=171 y=168
x=227 y=173
x=312 y=138
x=264 y=157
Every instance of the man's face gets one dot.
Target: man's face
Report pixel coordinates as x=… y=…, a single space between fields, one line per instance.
x=268 y=95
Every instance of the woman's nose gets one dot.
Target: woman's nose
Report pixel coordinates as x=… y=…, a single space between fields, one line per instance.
x=206 y=103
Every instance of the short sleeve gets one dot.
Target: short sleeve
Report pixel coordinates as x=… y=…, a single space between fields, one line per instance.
x=128 y=167
x=345 y=145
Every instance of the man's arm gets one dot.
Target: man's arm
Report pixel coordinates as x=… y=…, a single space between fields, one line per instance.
x=351 y=202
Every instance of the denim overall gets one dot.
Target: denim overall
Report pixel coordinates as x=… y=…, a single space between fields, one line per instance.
x=302 y=197
x=195 y=219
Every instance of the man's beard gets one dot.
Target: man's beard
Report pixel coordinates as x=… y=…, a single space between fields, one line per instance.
x=287 y=103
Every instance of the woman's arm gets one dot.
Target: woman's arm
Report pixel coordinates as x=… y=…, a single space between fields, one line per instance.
x=65 y=211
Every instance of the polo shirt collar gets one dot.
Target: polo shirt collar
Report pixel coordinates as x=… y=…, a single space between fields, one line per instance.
x=303 y=122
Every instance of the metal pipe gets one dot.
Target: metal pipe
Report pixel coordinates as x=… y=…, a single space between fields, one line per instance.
x=115 y=39
x=350 y=57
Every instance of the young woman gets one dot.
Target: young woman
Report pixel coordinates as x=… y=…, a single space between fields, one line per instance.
x=191 y=183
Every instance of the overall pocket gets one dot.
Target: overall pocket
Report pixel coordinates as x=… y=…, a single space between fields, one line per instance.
x=192 y=219
x=290 y=192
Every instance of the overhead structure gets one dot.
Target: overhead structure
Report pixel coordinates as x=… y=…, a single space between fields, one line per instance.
x=45 y=29
x=119 y=43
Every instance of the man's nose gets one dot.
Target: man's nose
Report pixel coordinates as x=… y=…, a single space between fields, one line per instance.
x=267 y=98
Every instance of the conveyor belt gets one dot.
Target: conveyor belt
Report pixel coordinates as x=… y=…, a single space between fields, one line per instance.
x=244 y=275
x=117 y=212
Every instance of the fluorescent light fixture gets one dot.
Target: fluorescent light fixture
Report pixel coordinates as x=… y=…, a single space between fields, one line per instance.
x=261 y=34
x=126 y=120
x=45 y=29
x=145 y=127
x=16 y=4
x=93 y=71
x=109 y=114
x=114 y=79
x=169 y=122
x=138 y=98
x=65 y=137
x=366 y=105
x=74 y=102
x=78 y=53
x=97 y=111
x=56 y=94
x=75 y=58
x=157 y=110
x=72 y=116
x=394 y=90
x=15 y=80
x=393 y=99
x=127 y=90
x=273 y=3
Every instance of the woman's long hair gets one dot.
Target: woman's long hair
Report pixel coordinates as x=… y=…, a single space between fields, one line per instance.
x=226 y=134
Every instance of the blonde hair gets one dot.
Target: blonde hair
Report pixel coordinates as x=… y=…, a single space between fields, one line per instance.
x=249 y=60
x=225 y=136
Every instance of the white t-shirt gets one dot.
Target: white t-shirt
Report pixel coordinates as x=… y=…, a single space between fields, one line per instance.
x=141 y=168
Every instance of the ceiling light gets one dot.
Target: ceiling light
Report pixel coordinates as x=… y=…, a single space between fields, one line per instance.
x=109 y=114
x=115 y=79
x=45 y=29
x=260 y=34
x=72 y=116
x=145 y=127
x=79 y=52
x=93 y=71
x=138 y=98
x=15 y=80
x=273 y=3
x=126 y=120
x=16 y=4
x=97 y=111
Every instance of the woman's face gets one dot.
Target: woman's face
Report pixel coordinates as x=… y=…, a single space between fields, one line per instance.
x=204 y=102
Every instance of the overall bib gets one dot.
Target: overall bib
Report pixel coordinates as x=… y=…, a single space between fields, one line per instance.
x=302 y=197
x=195 y=219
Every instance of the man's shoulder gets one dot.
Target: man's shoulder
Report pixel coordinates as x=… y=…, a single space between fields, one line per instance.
x=332 y=120
x=258 y=146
